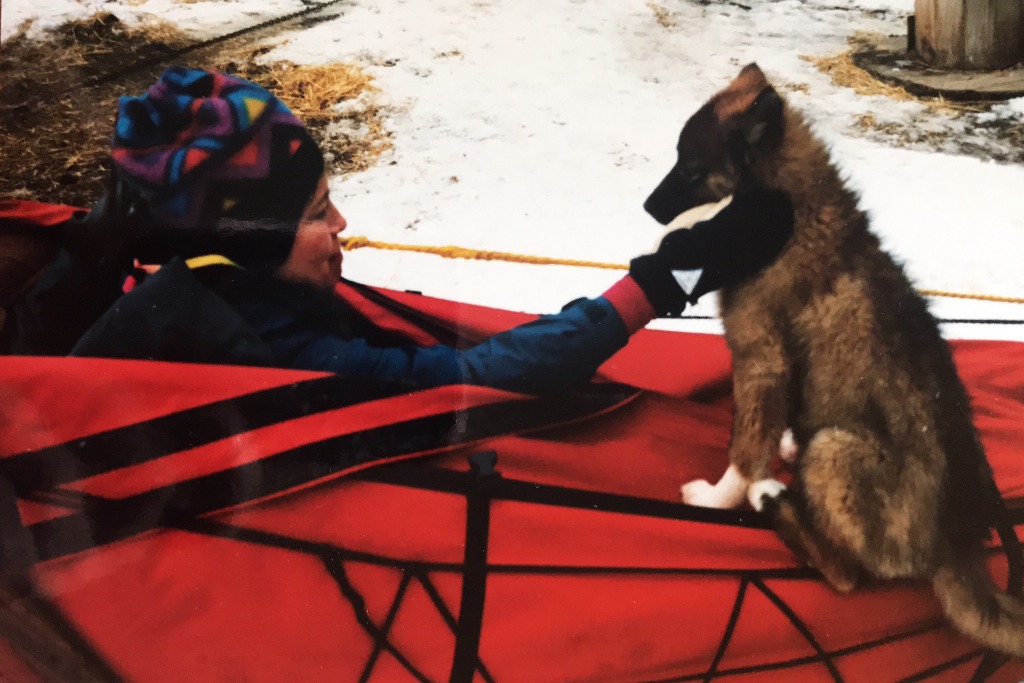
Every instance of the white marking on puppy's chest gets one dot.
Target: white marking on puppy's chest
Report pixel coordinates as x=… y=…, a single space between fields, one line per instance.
x=695 y=215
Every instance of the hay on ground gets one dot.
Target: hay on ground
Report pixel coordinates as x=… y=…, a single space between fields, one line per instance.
x=352 y=137
x=54 y=134
x=844 y=72
x=55 y=127
x=661 y=15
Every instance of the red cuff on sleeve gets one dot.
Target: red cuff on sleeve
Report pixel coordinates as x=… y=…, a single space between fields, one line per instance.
x=630 y=303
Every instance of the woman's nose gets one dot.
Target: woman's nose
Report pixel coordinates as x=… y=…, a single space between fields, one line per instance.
x=337 y=222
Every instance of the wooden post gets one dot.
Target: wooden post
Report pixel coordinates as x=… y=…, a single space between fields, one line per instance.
x=970 y=34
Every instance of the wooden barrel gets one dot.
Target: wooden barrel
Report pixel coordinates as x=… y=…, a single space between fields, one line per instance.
x=970 y=34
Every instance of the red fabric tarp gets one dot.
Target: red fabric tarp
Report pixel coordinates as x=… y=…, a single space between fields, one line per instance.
x=35 y=214
x=594 y=570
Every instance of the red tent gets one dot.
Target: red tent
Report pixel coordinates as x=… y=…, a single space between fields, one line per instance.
x=197 y=523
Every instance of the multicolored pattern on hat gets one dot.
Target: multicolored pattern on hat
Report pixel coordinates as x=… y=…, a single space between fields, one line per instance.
x=192 y=128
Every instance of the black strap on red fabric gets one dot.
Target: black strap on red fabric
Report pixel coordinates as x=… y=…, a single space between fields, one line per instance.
x=461 y=483
x=99 y=520
x=17 y=553
x=450 y=481
x=109 y=450
x=474 y=574
x=500 y=488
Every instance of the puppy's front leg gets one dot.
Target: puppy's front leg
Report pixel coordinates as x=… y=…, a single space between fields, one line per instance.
x=761 y=380
x=759 y=433
x=729 y=492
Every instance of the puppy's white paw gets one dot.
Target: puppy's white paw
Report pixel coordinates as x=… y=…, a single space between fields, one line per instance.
x=703 y=494
x=762 y=488
x=788 y=447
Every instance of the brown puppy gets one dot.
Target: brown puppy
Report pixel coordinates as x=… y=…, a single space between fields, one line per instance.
x=832 y=342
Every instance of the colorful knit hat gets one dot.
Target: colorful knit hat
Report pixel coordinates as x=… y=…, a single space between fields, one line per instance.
x=222 y=165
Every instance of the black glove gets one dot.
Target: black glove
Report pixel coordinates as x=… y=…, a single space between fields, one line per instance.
x=739 y=241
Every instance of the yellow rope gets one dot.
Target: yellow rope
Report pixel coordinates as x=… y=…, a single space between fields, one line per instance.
x=979 y=297
x=358 y=242
x=350 y=243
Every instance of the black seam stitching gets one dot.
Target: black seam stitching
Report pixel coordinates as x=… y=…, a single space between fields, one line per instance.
x=933 y=671
x=730 y=627
x=800 y=626
x=335 y=567
x=385 y=630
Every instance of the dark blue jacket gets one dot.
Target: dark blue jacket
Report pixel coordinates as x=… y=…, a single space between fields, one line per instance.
x=222 y=314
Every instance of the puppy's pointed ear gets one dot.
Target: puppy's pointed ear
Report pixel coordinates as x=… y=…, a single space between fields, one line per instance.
x=762 y=122
x=749 y=108
x=752 y=73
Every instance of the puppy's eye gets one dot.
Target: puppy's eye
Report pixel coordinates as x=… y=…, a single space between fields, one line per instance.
x=692 y=176
x=692 y=172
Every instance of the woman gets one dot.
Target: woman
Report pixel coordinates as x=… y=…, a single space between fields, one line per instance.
x=218 y=181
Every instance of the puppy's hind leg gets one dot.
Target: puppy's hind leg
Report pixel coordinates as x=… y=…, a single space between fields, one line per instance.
x=789 y=518
x=879 y=506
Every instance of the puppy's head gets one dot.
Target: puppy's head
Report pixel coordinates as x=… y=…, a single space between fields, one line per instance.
x=723 y=147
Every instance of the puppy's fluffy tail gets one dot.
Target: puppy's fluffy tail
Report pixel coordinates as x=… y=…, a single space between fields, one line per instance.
x=977 y=608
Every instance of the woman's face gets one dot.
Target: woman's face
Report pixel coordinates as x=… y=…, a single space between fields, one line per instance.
x=315 y=258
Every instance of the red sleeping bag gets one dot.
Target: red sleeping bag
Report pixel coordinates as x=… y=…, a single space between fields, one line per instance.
x=198 y=523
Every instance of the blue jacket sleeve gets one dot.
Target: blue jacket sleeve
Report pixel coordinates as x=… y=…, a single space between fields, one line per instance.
x=551 y=353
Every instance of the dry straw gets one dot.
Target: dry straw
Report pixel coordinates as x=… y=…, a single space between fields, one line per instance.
x=55 y=133
x=844 y=72
x=352 y=138
x=661 y=15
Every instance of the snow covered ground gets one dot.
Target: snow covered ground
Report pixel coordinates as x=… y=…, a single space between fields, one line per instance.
x=540 y=127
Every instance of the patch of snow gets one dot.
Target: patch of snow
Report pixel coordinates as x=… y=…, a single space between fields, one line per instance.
x=539 y=128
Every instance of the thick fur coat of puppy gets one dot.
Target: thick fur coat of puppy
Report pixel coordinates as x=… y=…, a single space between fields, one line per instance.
x=836 y=357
